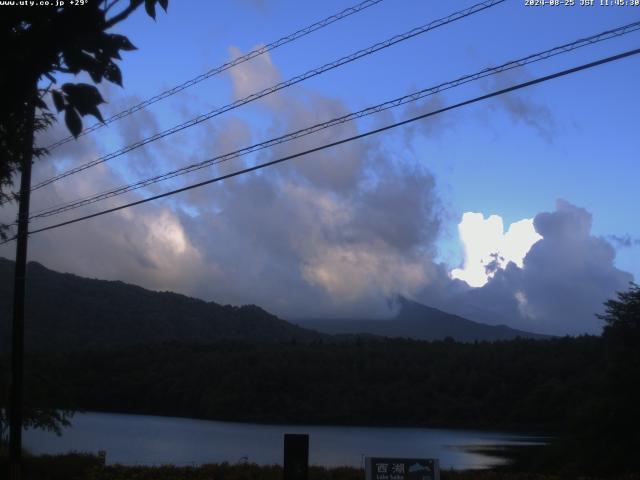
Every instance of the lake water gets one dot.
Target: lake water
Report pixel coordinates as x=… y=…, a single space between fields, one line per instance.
x=149 y=440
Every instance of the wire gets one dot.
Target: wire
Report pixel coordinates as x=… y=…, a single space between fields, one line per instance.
x=226 y=66
x=349 y=139
x=623 y=30
x=292 y=81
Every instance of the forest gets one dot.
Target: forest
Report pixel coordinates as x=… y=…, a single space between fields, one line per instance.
x=520 y=384
x=583 y=391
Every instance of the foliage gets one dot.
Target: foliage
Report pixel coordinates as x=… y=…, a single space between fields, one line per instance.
x=38 y=43
x=77 y=466
x=558 y=385
x=37 y=411
x=622 y=317
x=519 y=384
x=604 y=434
x=71 y=466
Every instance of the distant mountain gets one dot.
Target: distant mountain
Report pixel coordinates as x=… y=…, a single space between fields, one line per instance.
x=67 y=312
x=419 y=322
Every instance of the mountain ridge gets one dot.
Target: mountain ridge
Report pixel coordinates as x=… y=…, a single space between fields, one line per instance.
x=421 y=322
x=67 y=312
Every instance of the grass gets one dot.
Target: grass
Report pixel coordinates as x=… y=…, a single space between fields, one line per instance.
x=81 y=466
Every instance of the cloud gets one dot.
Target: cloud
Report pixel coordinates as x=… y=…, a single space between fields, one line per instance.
x=332 y=233
x=564 y=279
x=147 y=160
x=335 y=233
x=145 y=245
x=519 y=106
x=487 y=247
x=254 y=76
x=301 y=249
x=430 y=127
x=339 y=230
x=623 y=241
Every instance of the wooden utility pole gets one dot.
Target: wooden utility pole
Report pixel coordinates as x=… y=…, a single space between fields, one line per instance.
x=19 y=281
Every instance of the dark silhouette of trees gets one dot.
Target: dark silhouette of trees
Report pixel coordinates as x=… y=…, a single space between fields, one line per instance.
x=521 y=384
x=39 y=43
x=622 y=316
x=621 y=419
x=603 y=437
x=583 y=389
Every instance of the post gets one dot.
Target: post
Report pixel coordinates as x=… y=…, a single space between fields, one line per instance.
x=17 y=329
x=296 y=456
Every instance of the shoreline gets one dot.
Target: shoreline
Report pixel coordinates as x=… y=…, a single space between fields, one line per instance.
x=83 y=466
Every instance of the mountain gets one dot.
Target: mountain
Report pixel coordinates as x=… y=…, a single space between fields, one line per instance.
x=420 y=322
x=66 y=312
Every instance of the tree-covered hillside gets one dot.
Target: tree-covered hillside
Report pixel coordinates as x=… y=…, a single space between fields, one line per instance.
x=65 y=312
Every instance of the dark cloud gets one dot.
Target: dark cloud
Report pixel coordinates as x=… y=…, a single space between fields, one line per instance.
x=623 y=241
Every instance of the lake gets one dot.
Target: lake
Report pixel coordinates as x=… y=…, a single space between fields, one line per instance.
x=150 y=440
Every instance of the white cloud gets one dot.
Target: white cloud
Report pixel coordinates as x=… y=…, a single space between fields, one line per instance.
x=562 y=283
x=488 y=247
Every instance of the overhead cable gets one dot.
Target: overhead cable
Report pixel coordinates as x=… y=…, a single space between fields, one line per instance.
x=267 y=91
x=593 y=39
x=346 y=140
x=222 y=68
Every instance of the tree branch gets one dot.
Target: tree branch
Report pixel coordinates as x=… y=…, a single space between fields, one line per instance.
x=110 y=5
x=123 y=14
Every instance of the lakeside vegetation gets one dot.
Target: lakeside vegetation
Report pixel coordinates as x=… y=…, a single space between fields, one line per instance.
x=585 y=389
x=77 y=466
x=558 y=385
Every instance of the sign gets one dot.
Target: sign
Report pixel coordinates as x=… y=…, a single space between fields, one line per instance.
x=377 y=468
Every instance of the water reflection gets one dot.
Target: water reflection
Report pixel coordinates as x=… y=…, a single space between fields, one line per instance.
x=148 y=440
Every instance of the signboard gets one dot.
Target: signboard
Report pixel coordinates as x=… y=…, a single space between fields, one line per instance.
x=377 y=468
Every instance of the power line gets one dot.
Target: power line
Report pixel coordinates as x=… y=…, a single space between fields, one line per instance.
x=226 y=66
x=350 y=139
x=292 y=81
x=606 y=35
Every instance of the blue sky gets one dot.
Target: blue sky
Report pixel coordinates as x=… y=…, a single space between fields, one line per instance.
x=574 y=139
x=503 y=166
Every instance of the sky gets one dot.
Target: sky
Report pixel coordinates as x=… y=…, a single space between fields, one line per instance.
x=518 y=210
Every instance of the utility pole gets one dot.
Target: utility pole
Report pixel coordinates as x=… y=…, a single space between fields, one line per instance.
x=19 y=281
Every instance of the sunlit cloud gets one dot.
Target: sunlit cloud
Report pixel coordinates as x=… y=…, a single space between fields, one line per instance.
x=488 y=247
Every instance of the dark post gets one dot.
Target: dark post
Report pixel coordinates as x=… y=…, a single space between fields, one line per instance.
x=296 y=456
x=17 y=329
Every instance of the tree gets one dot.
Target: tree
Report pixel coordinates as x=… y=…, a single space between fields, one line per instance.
x=621 y=337
x=604 y=437
x=622 y=317
x=40 y=42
